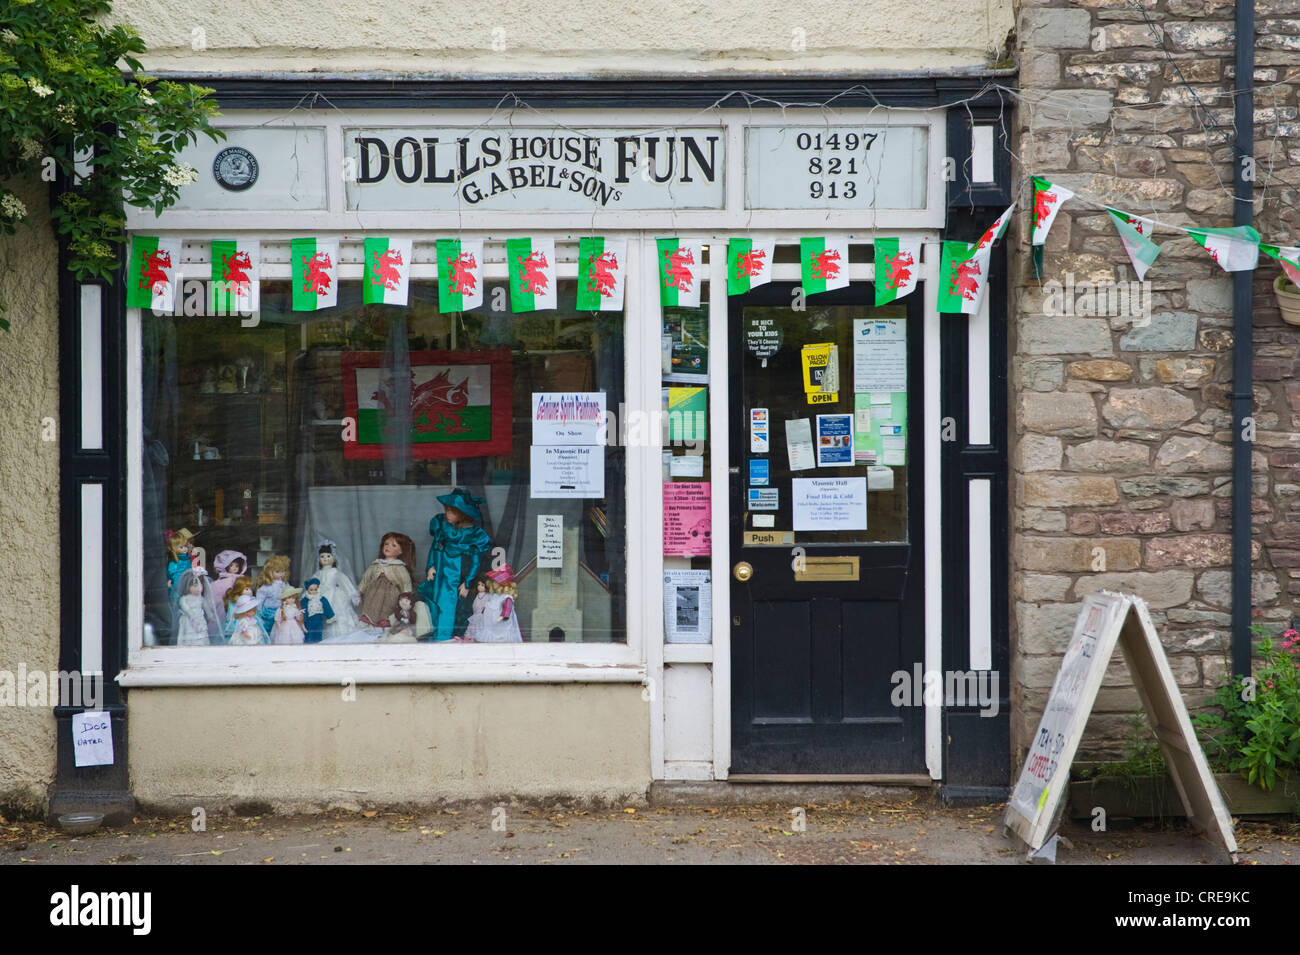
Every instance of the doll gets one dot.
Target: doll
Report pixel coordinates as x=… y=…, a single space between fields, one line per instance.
x=229 y=564
x=456 y=535
x=248 y=629
x=336 y=586
x=288 y=626
x=387 y=576
x=241 y=586
x=494 y=619
x=315 y=613
x=271 y=583
x=180 y=555
x=195 y=612
x=403 y=630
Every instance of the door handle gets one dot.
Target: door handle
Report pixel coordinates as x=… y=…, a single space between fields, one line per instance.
x=742 y=571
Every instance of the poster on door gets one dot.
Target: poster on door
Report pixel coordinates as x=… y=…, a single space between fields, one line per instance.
x=688 y=522
x=829 y=504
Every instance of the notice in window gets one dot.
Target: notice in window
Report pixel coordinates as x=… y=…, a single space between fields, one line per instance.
x=688 y=606
x=879 y=354
x=560 y=471
x=688 y=523
x=829 y=504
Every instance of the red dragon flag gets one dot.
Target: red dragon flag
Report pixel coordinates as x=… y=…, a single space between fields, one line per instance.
x=602 y=264
x=151 y=275
x=315 y=267
x=963 y=278
x=681 y=270
x=994 y=232
x=1288 y=256
x=532 y=274
x=386 y=279
x=897 y=264
x=1235 y=249
x=460 y=274
x=235 y=265
x=749 y=264
x=824 y=263
x=1047 y=203
x=1135 y=233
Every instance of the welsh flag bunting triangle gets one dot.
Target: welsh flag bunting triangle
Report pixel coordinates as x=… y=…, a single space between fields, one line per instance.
x=994 y=232
x=749 y=264
x=386 y=278
x=1288 y=256
x=681 y=267
x=235 y=280
x=531 y=265
x=963 y=278
x=602 y=266
x=896 y=267
x=1235 y=249
x=315 y=267
x=823 y=263
x=1134 y=232
x=460 y=274
x=151 y=274
x=1048 y=199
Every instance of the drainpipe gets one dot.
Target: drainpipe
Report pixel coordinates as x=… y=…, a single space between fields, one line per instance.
x=1243 y=341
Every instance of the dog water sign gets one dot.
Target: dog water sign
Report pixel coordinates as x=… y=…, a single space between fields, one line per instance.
x=92 y=739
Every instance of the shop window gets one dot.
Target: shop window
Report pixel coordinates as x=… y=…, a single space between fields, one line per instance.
x=385 y=456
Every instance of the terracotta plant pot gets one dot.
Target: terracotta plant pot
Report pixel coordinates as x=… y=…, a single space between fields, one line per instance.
x=1288 y=300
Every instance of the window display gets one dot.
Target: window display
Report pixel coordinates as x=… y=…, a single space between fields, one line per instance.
x=320 y=454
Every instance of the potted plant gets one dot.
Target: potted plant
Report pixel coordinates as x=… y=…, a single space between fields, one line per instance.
x=1288 y=299
x=1251 y=741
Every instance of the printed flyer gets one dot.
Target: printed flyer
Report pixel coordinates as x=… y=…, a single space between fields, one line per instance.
x=688 y=527
x=834 y=440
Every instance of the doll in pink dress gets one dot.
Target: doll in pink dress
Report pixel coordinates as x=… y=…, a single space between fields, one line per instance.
x=288 y=627
x=229 y=565
x=494 y=619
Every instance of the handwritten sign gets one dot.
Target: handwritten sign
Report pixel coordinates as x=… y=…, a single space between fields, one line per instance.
x=550 y=540
x=92 y=739
x=1105 y=620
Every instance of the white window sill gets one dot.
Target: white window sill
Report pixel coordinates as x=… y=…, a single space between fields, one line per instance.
x=363 y=664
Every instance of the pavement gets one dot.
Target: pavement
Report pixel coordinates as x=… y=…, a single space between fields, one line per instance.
x=897 y=828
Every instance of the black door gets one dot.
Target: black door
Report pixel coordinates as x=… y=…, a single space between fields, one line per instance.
x=829 y=610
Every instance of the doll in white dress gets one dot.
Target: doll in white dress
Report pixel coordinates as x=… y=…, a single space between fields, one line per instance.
x=494 y=619
x=248 y=629
x=197 y=624
x=337 y=587
x=288 y=627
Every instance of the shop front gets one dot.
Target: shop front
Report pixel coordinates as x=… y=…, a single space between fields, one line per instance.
x=437 y=449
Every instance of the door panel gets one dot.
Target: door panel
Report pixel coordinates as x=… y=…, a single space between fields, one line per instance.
x=812 y=658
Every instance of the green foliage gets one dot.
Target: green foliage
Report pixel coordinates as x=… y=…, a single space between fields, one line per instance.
x=1257 y=731
x=70 y=86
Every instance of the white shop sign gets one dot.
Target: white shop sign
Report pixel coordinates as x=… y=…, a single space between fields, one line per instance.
x=534 y=168
x=836 y=167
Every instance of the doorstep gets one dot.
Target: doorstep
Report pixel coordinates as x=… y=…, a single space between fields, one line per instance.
x=795 y=789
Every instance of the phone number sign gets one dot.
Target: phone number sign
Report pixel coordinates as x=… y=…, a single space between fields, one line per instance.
x=836 y=167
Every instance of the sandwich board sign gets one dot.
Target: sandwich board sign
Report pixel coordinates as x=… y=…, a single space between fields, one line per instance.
x=1106 y=619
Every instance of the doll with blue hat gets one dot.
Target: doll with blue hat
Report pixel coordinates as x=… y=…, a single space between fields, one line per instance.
x=456 y=535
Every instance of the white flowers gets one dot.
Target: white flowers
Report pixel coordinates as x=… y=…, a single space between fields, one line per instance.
x=148 y=100
x=40 y=89
x=181 y=174
x=30 y=148
x=11 y=207
x=66 y=113
x=9 y=36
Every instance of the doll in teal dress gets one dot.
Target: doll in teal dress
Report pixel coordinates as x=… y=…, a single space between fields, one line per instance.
x=456 y=535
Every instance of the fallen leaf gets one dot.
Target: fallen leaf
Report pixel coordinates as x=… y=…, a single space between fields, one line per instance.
x=216 y=852
x=370 y=813
x=269 y=859
x=631 y=812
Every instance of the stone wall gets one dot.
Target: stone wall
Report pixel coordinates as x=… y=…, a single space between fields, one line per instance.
x=1121 y=431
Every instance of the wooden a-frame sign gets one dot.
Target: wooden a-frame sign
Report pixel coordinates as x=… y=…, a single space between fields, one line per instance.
x=1108 y=618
